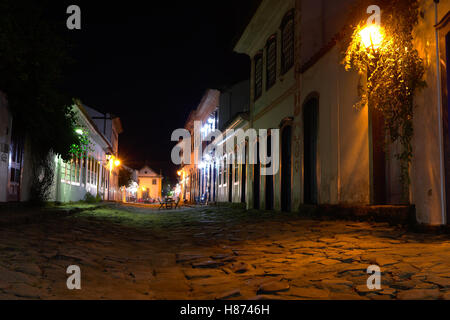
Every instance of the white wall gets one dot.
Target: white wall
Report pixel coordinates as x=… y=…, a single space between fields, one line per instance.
x=426 y=194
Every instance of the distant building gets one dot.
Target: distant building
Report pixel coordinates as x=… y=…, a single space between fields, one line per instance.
x=234 y=109
x=150 y=184
x=96 y=172
x=197 y=179
x=209 y=178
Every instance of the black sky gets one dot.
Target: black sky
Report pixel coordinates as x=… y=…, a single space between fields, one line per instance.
x=150 y=64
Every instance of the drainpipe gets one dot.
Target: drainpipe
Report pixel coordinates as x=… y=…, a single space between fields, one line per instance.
x=439 y=106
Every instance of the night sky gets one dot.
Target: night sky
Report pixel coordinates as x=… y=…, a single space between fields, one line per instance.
x=150 y=64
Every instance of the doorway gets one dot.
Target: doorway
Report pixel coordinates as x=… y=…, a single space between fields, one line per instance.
x=230 y=183
x=310 y=134
x=444 y=43
x=447 y=132
x=256 y=179
x=286 y=168
x=214 y=183
x=379 y=176
x=244 y=175
x=269 y=179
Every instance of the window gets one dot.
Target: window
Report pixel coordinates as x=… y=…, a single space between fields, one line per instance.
x=154 y=181
x=271 y=62
x=63 y=170
x=258 y=75
x=287 y=42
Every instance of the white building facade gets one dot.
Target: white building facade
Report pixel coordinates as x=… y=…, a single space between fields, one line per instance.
x=95 y=172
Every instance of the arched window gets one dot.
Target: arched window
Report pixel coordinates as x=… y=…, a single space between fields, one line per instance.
x=271 y=62
x=258 y=60
x=287 y=42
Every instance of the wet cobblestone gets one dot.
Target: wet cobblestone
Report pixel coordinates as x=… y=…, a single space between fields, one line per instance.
x=217 y=253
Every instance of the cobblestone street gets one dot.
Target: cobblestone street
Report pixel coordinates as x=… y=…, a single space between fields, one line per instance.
x=132 y=252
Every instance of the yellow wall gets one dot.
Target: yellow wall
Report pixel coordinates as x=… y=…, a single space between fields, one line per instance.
x=147 y=183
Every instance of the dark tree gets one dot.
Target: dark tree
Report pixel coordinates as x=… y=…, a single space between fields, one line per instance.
x=125 y=178
x=32 y=57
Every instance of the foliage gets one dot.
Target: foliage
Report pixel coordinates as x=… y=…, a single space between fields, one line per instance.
x=42 y=179
x=125 y=177
x=91 y=199
x=32 y=57
x=395 y=74
x=84 y=145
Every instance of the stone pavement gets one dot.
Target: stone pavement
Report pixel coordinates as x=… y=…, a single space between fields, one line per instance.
x=127 y=252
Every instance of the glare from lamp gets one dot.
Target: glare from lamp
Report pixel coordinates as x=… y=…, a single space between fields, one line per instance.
x=79 y=131
x=372 y=37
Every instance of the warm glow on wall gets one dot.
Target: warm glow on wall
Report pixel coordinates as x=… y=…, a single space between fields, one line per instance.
x=372 y=36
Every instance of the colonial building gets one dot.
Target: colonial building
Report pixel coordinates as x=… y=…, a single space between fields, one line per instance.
x=197 y=177
x=94 y=172
x=14 y=161
x=272 y=41
x=231 y=182
x=211 y=177
x=332 y=153
x=150 y=185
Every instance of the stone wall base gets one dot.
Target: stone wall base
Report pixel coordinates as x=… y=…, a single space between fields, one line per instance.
x=395 y=215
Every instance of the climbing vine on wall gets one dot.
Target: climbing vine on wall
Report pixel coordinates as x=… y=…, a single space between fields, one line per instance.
x=84 y=144
x=394 y=74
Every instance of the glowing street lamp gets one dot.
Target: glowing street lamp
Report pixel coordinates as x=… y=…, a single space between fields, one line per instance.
x=79 y=132
x=372 y=37
x=117 y=162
